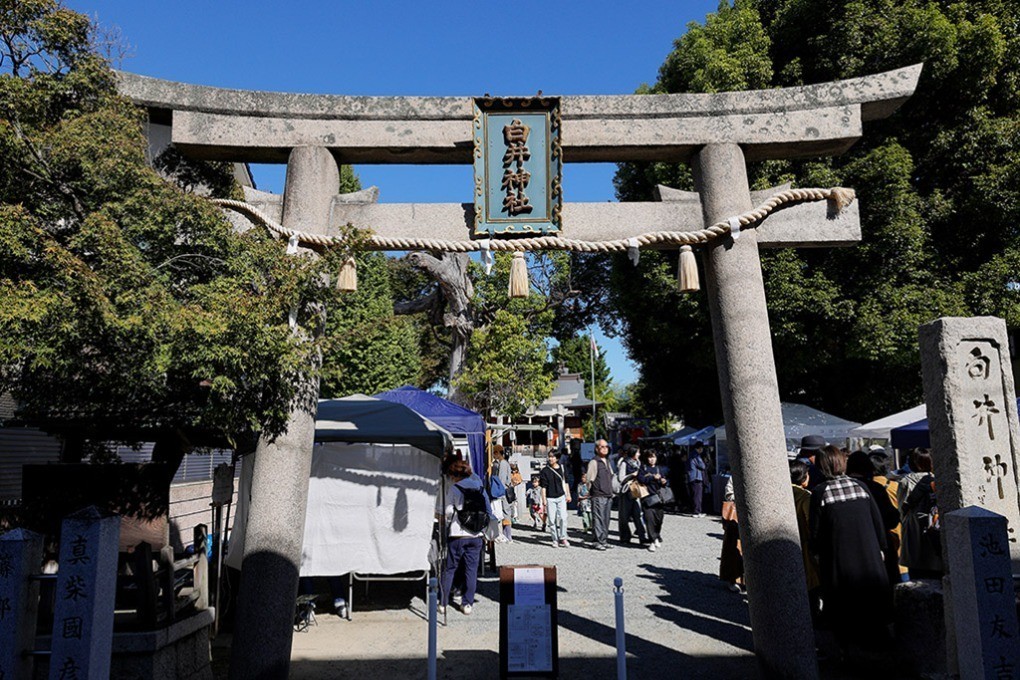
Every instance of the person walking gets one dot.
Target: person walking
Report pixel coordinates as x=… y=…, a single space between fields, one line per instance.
x=501 y=469
x=799 y=476
x=697 y=476
x=847 y=540
x=655 y=478
x=880 y=463
x=628 y=507
x=535 y=504
x=584 y=503
x=921 y=552
x=731 y=560
x=860 y=466
x=555 y=495
x=600 y=477
x=467 y=513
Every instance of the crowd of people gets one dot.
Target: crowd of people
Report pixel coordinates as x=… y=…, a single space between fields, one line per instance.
x=638 y=482
x=863 y=528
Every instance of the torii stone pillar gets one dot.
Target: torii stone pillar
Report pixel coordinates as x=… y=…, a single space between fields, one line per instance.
x=773 y=563
x=279 y=489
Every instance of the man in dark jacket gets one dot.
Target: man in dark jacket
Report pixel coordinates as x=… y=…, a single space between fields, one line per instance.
x=600 y=477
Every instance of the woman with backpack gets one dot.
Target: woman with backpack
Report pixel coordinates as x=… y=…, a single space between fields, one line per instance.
x=467 y=515
x=921 y=552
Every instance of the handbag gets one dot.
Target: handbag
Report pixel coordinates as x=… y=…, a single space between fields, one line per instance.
x=665 y=495
x=729 y=511
x=638 y=490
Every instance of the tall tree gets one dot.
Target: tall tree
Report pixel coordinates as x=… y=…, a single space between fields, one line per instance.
x=125 y=300
x=939 y=200
x=367 y=348
x=506 y=370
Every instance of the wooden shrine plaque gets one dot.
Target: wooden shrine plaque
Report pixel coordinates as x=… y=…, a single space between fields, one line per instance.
x=528 y=626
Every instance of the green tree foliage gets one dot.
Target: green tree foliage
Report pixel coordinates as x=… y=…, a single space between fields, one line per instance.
x=506 y=369
x=368 y=349
x=124 y=299
x=940 y=201
x=433 y=347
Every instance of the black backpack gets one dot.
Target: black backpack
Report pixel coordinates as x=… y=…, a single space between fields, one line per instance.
x=923 y=501
x=472 y=515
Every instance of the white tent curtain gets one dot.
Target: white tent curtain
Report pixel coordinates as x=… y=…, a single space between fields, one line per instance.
x=370 y=510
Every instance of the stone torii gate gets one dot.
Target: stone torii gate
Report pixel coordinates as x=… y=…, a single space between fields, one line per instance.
x=716 y=133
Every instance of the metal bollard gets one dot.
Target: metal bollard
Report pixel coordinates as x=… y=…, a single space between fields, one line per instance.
x=433 y=610
x=621 y=636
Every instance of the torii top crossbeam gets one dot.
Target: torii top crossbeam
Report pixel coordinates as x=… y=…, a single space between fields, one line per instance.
x=260 y=127
x=814 y=120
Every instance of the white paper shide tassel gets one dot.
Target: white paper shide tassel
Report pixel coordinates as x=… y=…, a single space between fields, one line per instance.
x=687 y=271
x=519 y=285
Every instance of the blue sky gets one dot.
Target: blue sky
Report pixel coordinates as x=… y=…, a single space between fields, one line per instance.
x=396 y=47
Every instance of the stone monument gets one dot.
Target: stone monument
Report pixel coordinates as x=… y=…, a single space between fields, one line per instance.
x=972 y=417
x=984 y=606
x=717 y=133
x=86 y=589
x=20 y=559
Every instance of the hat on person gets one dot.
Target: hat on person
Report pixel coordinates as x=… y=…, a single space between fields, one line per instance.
x=875 y=448
x=812 y=442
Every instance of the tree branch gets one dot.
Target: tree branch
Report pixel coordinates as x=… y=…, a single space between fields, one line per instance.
x=423 y=304
x=47 y=174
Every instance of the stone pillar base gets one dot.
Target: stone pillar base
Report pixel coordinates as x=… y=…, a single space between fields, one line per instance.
x=920 y=629
x=179 y=652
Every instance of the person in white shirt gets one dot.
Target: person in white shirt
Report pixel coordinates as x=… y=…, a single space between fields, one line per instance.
x=467 y=512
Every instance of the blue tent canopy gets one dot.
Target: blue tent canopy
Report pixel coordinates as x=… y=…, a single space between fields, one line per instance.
x=702 y=435
x=358 y=418
x=914 y=436
x=454 y=418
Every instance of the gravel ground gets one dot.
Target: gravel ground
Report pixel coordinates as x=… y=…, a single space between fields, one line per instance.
x=681 y=621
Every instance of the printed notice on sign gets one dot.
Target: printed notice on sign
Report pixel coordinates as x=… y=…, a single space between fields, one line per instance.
x=529 y=586
x=529 y=638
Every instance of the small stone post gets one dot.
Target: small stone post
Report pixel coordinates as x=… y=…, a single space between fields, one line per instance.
x=984 y=611
x=972 y=417
x=200 y=574
x=281 y=466
x=773 y=562
x=20 y=559
x=86 y=589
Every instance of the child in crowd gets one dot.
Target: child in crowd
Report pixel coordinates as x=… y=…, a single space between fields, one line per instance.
x=584 y=502
x=534 y=497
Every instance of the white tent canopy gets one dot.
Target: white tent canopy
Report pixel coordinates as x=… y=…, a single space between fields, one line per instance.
x=880 y=429
x=371 y=494
x=800 y=420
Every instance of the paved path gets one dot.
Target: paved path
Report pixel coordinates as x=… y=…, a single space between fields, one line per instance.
x=681 y=620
